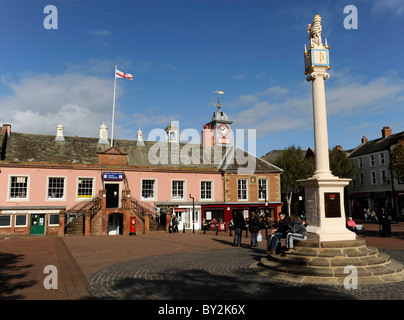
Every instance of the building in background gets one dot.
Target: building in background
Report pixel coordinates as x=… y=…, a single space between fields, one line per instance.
x=374 y=187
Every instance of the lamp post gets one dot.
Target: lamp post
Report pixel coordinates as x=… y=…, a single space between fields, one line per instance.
x=193 y=213
x=265 y=210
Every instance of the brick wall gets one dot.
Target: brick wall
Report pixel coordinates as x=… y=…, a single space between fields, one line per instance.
x=231 y=186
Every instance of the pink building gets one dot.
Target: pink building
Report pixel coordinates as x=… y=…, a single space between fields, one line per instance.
x=56 y=185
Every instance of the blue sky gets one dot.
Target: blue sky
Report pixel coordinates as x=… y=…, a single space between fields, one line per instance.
x=180 y=51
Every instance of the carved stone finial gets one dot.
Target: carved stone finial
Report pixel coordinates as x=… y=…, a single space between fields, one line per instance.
x=314 y=29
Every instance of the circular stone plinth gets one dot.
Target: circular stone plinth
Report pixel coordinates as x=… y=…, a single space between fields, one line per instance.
x=333 y=262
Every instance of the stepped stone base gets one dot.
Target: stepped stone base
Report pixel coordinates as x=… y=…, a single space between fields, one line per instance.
x=324 y=263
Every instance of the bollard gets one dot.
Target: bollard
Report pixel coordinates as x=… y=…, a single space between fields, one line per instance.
x=183 y=228
x=217 y=228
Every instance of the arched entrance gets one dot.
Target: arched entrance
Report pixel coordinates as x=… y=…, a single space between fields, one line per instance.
x=115 y=224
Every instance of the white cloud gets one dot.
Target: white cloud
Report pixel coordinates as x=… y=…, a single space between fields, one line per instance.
x=394 y=6
x=278 y=109
x=274 y=91
x=357 y=97
x=38 y=102
x=247 y=99
x=240 y=76
x=100 y=33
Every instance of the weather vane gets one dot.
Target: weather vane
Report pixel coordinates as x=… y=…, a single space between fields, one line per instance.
x=218 y=97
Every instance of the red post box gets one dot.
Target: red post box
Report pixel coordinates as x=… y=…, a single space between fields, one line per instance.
x=132 y=228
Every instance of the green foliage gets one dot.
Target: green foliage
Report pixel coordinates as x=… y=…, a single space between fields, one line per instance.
x=295 y=167
x=397 y=160
x=340 y=165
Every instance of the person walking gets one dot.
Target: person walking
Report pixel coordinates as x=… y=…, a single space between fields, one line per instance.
x=254 y=227
x=239 y=225
x=175 y=224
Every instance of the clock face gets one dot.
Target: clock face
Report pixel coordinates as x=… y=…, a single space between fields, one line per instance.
x=320 y=57
x=223 y=130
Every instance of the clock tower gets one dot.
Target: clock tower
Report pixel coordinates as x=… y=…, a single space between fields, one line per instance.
x=218 y=130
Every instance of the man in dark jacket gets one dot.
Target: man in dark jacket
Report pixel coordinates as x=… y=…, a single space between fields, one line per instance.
x=239 y=225
x=297 y=232
x=254 y=227
x=284 y=225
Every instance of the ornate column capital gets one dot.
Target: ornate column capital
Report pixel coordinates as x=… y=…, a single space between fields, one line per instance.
x=312 y=76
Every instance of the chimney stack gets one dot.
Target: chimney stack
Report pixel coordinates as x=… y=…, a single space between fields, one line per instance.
x=386 y=132
x=364 y=139
x=339 y=148
x=6 y=129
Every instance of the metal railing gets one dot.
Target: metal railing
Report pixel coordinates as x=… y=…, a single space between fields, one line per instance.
x=93 y=205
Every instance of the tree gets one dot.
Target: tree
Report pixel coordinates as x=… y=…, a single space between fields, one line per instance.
x=295 y=167
x=397 y=160
x=340 y=165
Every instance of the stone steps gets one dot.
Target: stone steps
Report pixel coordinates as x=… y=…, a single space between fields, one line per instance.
x=76 y=227
x=328 y=262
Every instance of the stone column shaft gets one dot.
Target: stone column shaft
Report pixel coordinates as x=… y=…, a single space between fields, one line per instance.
x=320 y=123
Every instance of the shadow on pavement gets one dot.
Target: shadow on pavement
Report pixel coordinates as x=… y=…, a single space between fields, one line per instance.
x=11 y=275
x=202 y=285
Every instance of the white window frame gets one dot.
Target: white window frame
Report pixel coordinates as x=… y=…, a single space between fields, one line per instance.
x=211 y=189
x=266 y=189
x=92 y=191
x=20 y=225
x=361 y=178
x=64 y=188
x=372 y=160
x=184 y=191
x=383 y=181
x=154 y=189
x=9 y=198
x=49 y=220
x=246 y=189
x=382 y=158
x=11 y=218
x=360 y=162
x=373 y=179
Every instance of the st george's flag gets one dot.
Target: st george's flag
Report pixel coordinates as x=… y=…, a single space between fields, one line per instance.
x=120 y=74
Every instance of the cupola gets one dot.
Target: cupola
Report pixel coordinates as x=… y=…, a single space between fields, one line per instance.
x=59 y=133
x=103 y=135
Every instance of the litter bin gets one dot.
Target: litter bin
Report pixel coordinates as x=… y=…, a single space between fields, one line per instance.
x=385 y=228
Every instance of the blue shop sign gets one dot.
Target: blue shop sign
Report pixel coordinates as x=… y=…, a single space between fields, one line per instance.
x=112 y=175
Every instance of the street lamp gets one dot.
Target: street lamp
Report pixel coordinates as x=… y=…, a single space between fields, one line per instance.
x=261 y=188
x=193 y=213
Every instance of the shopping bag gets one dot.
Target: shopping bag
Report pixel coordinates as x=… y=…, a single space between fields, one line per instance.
x=259 y=237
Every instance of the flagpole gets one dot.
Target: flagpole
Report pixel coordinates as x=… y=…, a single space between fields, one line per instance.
x=113 y=110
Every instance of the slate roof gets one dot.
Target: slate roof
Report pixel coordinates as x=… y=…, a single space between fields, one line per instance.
x=36 y=148
x=271 y=155
x=377 y=145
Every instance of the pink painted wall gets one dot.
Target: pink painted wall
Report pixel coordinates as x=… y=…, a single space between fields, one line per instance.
x=38 y=178
x=37 y=186
x=192 y=185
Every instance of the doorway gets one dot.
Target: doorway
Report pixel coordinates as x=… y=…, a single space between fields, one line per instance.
x=115 y=224
x=112 y=197
x=37 y=224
